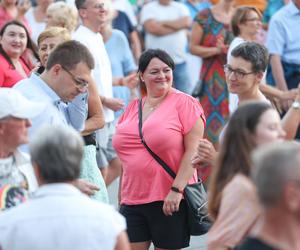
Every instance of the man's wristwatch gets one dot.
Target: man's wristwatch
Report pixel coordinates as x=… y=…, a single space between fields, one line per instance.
x=296 y=105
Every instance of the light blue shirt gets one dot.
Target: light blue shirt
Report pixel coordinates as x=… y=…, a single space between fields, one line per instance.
x=120 y=55
x=122 y=63
x=57 y=112
x=59 y=217
x=284 y=35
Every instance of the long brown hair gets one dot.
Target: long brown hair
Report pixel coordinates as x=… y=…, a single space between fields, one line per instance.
x=234 y=155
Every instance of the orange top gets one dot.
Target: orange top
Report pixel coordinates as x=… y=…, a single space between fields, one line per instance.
x=259 y=4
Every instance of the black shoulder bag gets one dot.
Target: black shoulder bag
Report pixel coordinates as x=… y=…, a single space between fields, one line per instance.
x=194 y=194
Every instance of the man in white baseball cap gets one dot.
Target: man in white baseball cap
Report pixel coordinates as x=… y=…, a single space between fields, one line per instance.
x=16 y=173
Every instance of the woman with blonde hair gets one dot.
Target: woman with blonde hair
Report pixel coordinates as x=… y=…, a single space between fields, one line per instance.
x=63 y=15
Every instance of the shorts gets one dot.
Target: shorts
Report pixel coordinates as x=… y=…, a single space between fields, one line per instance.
x=147 y=222
x=105 y=152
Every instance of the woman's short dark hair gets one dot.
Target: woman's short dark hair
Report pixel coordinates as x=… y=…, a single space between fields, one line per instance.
x=30 y=44
x=146 y=58
x=235 y=151
x=254 y=53
x=240 y=16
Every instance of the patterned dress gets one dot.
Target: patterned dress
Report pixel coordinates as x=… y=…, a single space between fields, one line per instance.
x=214 y=95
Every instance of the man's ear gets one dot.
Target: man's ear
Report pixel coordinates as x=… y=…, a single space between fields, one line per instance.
x=82 y=13
x=55 y=69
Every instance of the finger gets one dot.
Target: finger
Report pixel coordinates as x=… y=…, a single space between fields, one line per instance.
x=93 y=187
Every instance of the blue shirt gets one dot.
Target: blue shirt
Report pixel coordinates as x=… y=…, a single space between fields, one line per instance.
x=120 y=55
x=122 y=63
x=283 y=35
x=57 y=112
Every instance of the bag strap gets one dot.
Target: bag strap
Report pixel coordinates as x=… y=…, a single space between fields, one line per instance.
x=155 y=156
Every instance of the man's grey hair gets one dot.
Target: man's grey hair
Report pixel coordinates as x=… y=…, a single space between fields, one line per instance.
x=274 y=166
x=58 y=151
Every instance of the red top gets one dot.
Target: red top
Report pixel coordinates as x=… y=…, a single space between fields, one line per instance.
x=8 y=75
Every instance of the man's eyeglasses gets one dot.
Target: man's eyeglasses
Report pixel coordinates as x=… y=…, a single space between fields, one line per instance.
x=99 y=6
x=80 y=83
x=239 y=74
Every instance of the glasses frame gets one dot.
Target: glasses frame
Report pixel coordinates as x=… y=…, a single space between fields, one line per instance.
x=237 y=73
x=80 y=83
x=99 y=6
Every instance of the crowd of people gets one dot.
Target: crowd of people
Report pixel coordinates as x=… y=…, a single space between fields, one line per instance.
x=95 y=90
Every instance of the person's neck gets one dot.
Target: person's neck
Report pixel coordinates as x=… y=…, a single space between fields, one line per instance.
x=254 y=95
x=247 y=37
x=272 y=231
x=297 y=4
x=41 y=9
x=155 y=100
x=106 y=32
x=5 y=151
x=226 y=6
x=48 y=79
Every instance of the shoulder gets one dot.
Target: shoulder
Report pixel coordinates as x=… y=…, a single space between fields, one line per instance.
x=119 y=34
x=240 y=183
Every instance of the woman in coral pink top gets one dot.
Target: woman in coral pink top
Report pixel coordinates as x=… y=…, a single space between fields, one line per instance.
x=14 y=40
x=173 y=122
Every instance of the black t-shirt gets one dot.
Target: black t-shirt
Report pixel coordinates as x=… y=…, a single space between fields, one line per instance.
x=254 y=244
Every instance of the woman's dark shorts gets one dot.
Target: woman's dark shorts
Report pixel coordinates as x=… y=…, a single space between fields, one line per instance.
x=147 y=222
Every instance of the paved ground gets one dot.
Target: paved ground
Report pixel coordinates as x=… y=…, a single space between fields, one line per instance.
x=197 y=242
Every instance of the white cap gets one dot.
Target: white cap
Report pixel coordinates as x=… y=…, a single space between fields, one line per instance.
x=13 y=103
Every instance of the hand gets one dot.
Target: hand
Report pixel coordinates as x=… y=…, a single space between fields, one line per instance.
x=205 y=154
x=222 y=47
x=23 y=7
x=171 y=203
x=288 y=94
x=113 y=103
x=131 y=81
x=86 y=187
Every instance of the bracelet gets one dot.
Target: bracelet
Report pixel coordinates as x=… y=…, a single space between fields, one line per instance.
x=176 y=190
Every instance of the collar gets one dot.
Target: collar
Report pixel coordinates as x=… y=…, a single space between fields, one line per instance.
x=21 y=158
x=293 y=9
x=45 y=87
x=56 y=189
x=89 y=31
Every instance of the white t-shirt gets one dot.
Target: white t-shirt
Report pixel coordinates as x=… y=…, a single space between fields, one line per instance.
x=59 y=217
x=175 y=43
x=102 y=72
x=36 y=27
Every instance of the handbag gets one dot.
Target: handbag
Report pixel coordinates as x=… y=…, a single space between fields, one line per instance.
x=199 y=87
x=194 y=194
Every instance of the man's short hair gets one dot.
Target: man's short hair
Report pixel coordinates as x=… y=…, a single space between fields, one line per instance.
x=79 y=4
x=69 y=54
x=275 y=165
x=254 y=53
x=58 y=151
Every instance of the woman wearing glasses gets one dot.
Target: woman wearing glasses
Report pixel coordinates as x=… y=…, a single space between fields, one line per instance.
x=246 y=24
